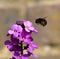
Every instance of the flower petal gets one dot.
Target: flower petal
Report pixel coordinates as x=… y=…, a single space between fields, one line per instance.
x=14 y=27
x=15 y=41
x=31 y=28
x=30 y=49
x=10 y=47
x=35 y=45
x=15 y=34
x=10 y=32
x=17 y=53
x=25 y=56
x=26 y=40
x=7 y=42
x=27 y=23
x=35 y=55
x=27 y=29
x=35 y=31
x=20 y=29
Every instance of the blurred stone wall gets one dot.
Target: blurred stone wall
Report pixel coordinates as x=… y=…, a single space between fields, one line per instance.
x=12 y=10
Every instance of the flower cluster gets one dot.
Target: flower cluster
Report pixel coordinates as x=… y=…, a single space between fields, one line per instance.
x=20 y=33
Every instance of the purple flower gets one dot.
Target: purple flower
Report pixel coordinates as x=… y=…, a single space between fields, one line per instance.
x=31 y=47
x=35 y=55
x=10 y=47
x=14 y=41
x=28 y=39
x=7 y=42
x=14 y=47
x=15 y=30
x=24 y=35
x=29 y=27
x=16 y=54
x=20 y=33
x=25 y=56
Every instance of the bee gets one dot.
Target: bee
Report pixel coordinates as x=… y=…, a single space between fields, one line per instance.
x=41 y=21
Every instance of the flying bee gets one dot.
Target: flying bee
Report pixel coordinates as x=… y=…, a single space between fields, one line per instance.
x=41 y=21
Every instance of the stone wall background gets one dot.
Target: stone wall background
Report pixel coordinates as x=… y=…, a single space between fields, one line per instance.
x=12 y=10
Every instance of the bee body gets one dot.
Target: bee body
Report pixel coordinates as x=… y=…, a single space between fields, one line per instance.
x=41 y=21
